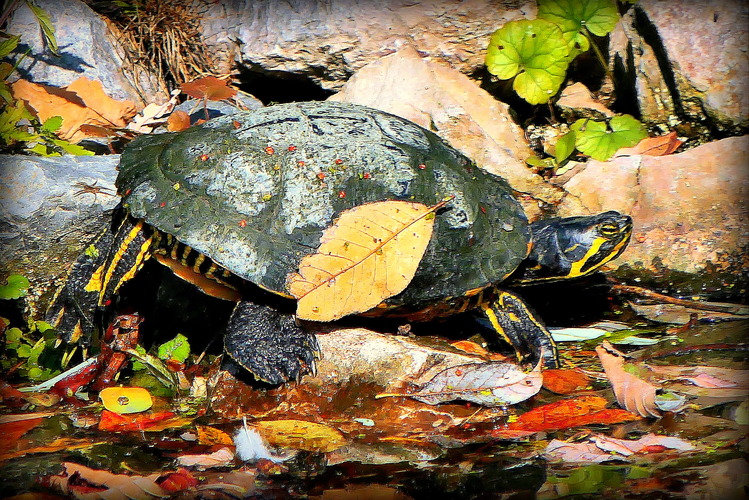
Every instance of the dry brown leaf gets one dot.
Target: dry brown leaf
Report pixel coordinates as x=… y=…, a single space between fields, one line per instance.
x=653 y=146
x=208 y=87
x=632 y=393
x=116 y=113
x=178 y=121
x=85 y=104
x=370 y=253
x=79 y=481
x=211 y=435
x=220 y=458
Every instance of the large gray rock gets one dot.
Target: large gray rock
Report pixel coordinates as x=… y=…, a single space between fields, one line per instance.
x=328 y=40
x=86 y=48
x=45 y=219
x=689 y=61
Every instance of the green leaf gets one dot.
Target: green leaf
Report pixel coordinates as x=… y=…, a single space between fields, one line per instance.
x=564 y=147
x=23 y=351
x=16 y=288
x=9 y=45
x=45 y=23
x=13 y=334
x=574 y=17
x=600 y=140
x=73 y=149
x=35 y=373
x=178 y=349
x=52 y=124
x=535 y=53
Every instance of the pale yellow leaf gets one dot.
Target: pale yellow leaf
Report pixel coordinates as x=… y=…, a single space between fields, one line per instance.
x=300 y=435
x=370 y=253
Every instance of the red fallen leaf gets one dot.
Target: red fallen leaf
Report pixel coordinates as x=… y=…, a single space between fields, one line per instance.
x=9 y=392
x=177 y=481
x=653 y=146
x=208 y=87
x=12 y=432
x=564 y=381
x=114 y=422
x=570 y=413
x=178 y=121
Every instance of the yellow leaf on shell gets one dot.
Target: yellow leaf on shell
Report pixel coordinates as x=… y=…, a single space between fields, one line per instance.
x=370 y=253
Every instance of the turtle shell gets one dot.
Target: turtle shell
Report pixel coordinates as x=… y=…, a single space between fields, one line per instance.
x=253 y=191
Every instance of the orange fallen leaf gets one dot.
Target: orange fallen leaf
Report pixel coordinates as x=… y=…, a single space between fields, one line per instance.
x=633 y=393
x=208 y=87
x=300 y=434
x=570 y=413
x=653 y=146
x=565 y=381
x=83 y=102
x=211 y=435
x=178 y=121
x=12 y=432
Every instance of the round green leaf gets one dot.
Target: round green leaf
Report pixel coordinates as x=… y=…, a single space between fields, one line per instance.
x=600 y=141
x=575 y=16
x=535 y=53
x=16 y=288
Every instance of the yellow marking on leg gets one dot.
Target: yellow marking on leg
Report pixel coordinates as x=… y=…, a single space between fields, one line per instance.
x=134 y=232
x=94 y=284
x=142 y=255
x=495 y=322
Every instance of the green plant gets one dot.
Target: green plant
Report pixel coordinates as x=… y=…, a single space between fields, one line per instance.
x=32 y=353
x=601 y=139
x=537 y=53
x=19 y=128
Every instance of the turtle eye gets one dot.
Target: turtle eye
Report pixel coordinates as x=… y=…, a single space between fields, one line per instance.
x=608 y=229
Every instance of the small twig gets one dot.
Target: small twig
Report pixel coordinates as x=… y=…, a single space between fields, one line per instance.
x=692 y=304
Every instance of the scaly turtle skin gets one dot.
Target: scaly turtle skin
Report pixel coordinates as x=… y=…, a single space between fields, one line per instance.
x=240 y=200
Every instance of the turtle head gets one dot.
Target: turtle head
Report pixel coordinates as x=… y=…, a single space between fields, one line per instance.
x=570 y=247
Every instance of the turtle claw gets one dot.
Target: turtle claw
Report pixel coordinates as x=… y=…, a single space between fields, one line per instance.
x=269 y=344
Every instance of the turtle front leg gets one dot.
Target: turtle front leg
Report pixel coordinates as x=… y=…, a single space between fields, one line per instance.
x=111 y=260
x=269 y=344
x=513 y=320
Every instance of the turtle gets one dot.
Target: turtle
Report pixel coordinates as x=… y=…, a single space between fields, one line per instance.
x=234 y=204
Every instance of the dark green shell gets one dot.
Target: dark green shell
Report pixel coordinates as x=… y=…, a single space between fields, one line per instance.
x=253 y=191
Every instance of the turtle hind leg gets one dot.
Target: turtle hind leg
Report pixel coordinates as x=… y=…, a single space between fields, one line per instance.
x=94 y=279
x=269 y=344
x=513 y=321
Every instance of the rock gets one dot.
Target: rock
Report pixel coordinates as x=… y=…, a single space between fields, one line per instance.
x=328 y=40
x=688 y=60
x=390 y=361
x=576 y=101
x=86 y=49
x=45 y=218
x=690 y=209
x=441 y=99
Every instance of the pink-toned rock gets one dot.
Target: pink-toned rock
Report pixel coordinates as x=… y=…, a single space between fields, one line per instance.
x=689 y=59
x=690 y=210
x=328 y=40
x=442 y=99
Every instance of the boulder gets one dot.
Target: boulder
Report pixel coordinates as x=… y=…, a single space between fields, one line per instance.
x=86 y=48
x=686 y=61
x=46 y=217
x=690 y=210
x=440 y=98
x=328 y=40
